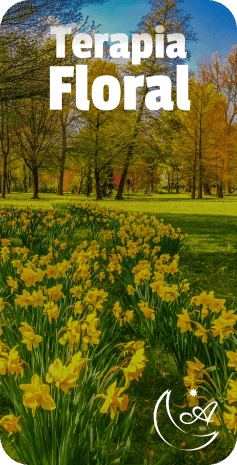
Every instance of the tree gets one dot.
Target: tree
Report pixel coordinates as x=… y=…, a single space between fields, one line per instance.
x=37 y=135
x=164 y=13
x=5 y=146
x=103 y=134
x=32 y=11
x=24 y=29
x=7 y=124
x=223 y=75
x=199 y=126
x=164 y=131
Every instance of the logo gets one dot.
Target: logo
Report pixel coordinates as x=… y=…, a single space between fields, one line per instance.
x=197 y=414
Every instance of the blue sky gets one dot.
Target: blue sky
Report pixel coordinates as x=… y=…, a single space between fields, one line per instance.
x=214 y=24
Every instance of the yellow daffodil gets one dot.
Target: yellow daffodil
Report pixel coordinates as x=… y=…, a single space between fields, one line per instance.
x=77 y=362
x=72 y=333
x=216 y=305
x=55 y=292
x=23 y=300
x=76 y=291
x=128 y=317
x=3 y=363
x=51 y=309
x=196 y=368
x=11 y=423
x=173 y=267
x=135 y=367
x=16 y=263
x=61 y=376
x=37 y=298
x=130 y=289
x=131 y=347
x=40 y=274
x=232 y=356
x=117 y=310
x=192 y=400
x=37 y=395
x=184 y=321
x=2 y=304
x=52 y=271
x=185 y=286
x=62 y=268
x=156 y=285
x=223 y=327
x=5 y=242
x=29 y=337
x=13 y=363
x=202 y=332
x=232 y=393
x=230 y=419
x=190 y=381
x=28 y=276
x=12 y=283
x=113 y=400
x=148 y=312
x=78 y=307
x=168 y=293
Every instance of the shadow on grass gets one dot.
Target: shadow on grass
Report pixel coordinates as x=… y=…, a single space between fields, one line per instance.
x=209 y=254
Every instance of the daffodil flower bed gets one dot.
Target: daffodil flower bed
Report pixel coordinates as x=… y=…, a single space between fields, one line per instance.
x=69 y=315
x=36 y=228
x=58 y=362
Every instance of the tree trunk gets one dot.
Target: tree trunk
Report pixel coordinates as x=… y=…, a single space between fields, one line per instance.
x=200 y=159
x=227 y=189
x=60 y=181
x=172 y=181
x=148 y=184
x=219 y=191
x=97 y=171
x=194 y=187
x=4 y=134
x=194 y=167
x=35 y=183
x=4 y=177
x=63 y=158
x=88 y=188
x=97 y=184
x=188 y=186
x=200 y=189
x=152 y=179
x=119 y=195
x=177 y=184
x=81 y=184
x=168 y=176
x=9 y=181
x=206 y=189
x=24 y=179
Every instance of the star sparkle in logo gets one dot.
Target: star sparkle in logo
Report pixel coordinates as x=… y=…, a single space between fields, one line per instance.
x=193 y=392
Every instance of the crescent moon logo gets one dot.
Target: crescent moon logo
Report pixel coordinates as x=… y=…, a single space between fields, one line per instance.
x=200 y=416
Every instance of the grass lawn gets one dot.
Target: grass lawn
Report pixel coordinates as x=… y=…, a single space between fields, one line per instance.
x=208 y=255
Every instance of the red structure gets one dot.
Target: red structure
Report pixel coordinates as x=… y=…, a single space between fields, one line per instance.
x=117 y=178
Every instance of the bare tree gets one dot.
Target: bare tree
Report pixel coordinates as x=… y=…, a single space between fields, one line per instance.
x=37 y=135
